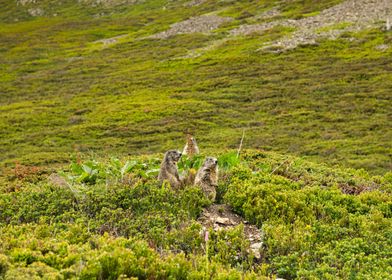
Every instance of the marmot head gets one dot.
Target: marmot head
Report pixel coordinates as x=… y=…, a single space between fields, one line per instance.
x=210 y=162
x=190 y=138
x=173 y=156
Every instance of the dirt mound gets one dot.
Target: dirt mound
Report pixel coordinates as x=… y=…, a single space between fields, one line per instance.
x=220 y=216
x=201 y=24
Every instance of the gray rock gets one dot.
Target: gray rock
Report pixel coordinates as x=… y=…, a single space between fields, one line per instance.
x=35 y=12
x=255 y=247
x=223 y=221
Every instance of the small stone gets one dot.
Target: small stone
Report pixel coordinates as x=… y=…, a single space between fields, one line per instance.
x=216 y=227
x=223 y=221
x=255 y=247
x=35 y=12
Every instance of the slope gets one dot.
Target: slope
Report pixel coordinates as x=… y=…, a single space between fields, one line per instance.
x=87 y=76
x=110 y=219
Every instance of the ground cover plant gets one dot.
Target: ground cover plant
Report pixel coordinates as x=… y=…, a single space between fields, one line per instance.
x=64 y=90
x=91 y=98
x=104 y=226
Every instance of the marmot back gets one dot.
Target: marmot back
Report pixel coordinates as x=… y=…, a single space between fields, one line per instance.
x=169 y=170
x=207 y=177
x=191 y=147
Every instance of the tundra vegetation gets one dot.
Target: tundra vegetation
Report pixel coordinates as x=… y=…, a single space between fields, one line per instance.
x=90 y=101
x=86 y=77
x=111 y=218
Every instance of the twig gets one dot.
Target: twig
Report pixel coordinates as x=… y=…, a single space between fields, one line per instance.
x=279 y=166
x=206 y=238
x=240 y=147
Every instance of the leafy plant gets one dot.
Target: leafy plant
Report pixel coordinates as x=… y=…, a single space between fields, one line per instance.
x=228 y=160
x=92 y=171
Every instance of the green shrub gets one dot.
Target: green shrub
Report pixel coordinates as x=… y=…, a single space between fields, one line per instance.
x=4 y=264
x=313 y=231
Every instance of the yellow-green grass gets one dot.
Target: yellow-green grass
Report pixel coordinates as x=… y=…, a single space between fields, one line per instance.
x=64 y=92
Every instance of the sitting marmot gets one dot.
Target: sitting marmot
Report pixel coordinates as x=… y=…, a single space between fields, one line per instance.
x=169 y=170
x=207 y=177
x=191 y=147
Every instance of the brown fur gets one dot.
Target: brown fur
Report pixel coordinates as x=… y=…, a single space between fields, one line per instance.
x=169 y=170
x=191 y=147
x=207 y=177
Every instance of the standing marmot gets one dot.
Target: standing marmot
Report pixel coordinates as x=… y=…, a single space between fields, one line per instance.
x=191 y=147
x=169 y=170
x=207 y=177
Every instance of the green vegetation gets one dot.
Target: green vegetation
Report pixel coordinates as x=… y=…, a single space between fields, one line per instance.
x=318 y=222
x=87 y=100
x=313 y=230
x=63 y=91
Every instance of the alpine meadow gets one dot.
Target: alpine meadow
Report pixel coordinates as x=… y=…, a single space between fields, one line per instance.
x=196 y=139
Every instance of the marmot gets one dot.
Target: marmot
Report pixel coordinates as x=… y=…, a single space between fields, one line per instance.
x=207 y=177
x=191 y=147
x=169 y=170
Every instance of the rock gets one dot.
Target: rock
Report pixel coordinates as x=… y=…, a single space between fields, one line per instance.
x=35 y=12
x=221 y=217
x=255 y=247
x=223 y=221
x=25 y=2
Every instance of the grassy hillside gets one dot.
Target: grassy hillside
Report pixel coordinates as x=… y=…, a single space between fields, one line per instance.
x=63 y=90
x=112 y=219
x=92 y=92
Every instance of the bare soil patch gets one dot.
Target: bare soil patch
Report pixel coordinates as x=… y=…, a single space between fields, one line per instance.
x=200 y=24
x=351 y=15
x=220 y=216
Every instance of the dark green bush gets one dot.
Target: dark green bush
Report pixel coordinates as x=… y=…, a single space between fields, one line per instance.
x=315 y=231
